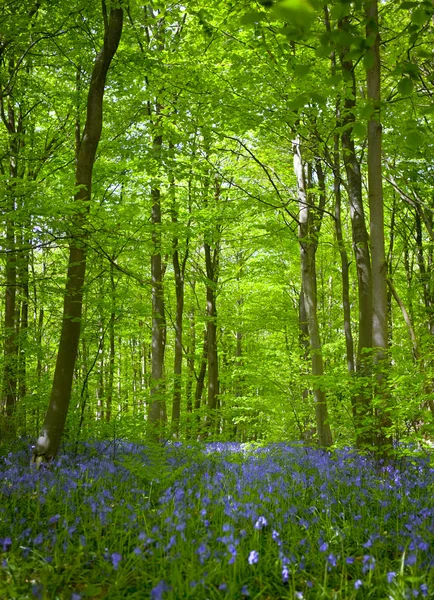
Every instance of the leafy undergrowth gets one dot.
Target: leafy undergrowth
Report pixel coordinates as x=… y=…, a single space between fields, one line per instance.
x=215 y=521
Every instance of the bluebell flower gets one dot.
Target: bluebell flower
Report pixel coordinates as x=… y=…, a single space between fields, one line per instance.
x=158 y=591
x=52 y=520
x=260 y=523
x=6 y=544
x=253 y=557
x=245 y=591
x=331 y=559
x=411 y=560
x=116 y=559
x=358 y=584
x=285 y=574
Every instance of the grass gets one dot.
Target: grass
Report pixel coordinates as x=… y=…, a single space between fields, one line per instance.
x=215 y=521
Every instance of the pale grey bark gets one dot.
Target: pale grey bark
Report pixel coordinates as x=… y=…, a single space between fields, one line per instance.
x=308 y=232
x=376 y=209
x=362 y=405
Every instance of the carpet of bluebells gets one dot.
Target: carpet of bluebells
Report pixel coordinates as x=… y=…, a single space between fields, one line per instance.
x=215 y=521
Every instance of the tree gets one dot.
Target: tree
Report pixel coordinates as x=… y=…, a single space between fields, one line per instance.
x=48 y=442
x=376 y=209
x=309 y=227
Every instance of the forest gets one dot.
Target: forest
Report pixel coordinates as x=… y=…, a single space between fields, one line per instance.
x=216 y=299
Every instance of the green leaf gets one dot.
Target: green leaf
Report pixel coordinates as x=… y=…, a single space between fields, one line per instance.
x=414 y=139
x=340 y=10
x=301 y=70
x=419 y=16
x=405 y=86
x=334 y=80
x=251 y=18
x=343 y=38
x=407 y=5
x=359 y=129
x=298 y=13
x=353 y=55
x=321 y=51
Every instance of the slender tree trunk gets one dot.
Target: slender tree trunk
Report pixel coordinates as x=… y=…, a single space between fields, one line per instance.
x=211 y=258
x=239 y=380
x=306 y=429
x=376 y=209
x=191 y=352
x=390 y=270
x=52 y=429
x=349 y=343
x=200 y=384
x=308 y=244
x=23 y=270
x=177 y=367
x=212 y=267
x=112 y=355
x=179 y=272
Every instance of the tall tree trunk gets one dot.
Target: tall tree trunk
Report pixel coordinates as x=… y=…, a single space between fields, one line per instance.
x=179 y=272
x=362 y=407
x=112 y=355
x=157 y=407
x=349 y=343
x=308 y=233
x=177 y=366
x=10 y=369
x=200 y=383
x=211 y=258
x=48 y=442
x=191 y=352
x=23 y=271
x=376 y=209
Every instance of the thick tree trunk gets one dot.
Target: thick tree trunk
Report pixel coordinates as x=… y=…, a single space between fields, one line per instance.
x=157 y=407
x=308 y=243
x=48 y=442
x=376 y=209
x=10 y=369
x=362 y=408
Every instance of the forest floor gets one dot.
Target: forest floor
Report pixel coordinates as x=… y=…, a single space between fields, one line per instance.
x=222 y=520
